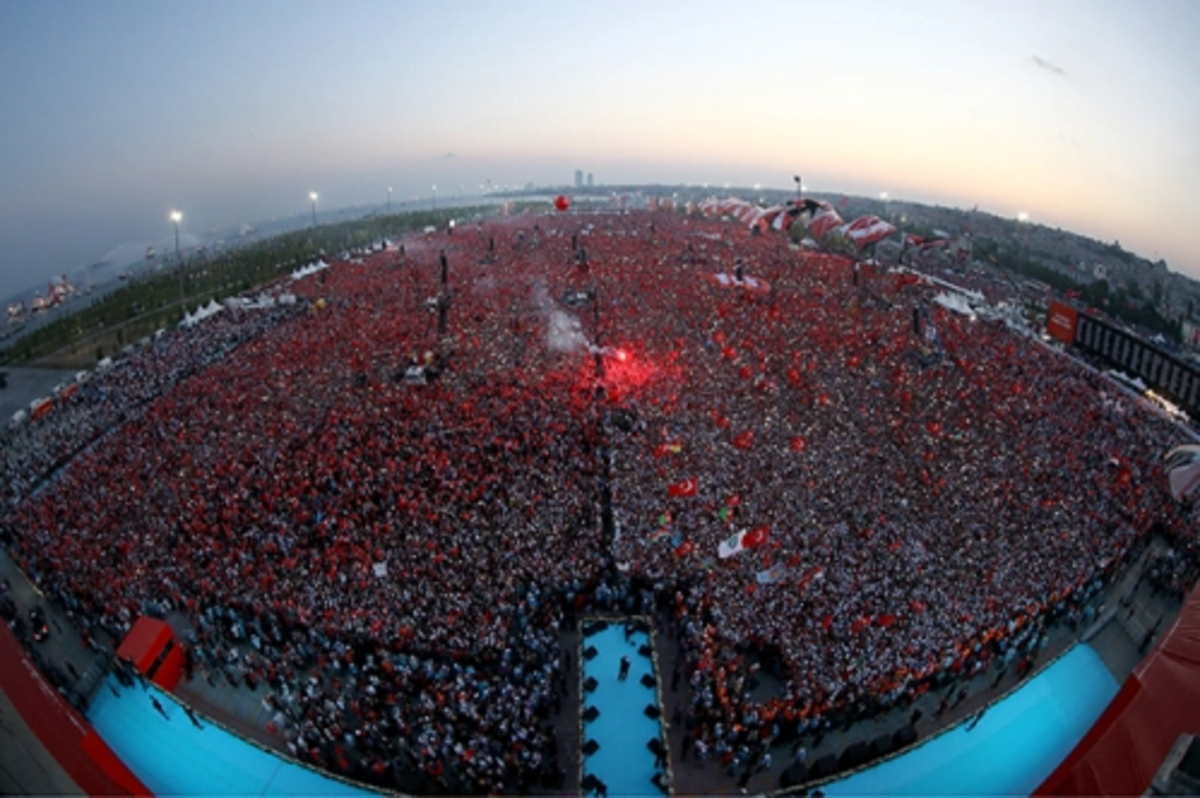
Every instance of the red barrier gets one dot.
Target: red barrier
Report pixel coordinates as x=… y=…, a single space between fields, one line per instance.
x=1159 y=701
x=59 y=727
x=152 y=648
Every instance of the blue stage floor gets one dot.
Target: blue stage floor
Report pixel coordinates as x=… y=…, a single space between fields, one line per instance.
x=623 y=763
x=1015 y=746
x=173 y=757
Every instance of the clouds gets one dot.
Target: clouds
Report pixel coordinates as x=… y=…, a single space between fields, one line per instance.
x=1049 y=67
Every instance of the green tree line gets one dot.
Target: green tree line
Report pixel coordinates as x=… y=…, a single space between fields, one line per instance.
x=1126 y=303
x=151 y=301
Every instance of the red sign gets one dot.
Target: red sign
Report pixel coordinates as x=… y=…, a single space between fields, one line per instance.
x=1060 y=322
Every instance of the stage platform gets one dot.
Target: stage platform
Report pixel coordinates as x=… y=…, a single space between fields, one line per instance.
x=1015 y=745
x=173 y=756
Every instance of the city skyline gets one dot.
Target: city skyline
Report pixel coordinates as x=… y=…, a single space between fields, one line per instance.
x=1079 y=114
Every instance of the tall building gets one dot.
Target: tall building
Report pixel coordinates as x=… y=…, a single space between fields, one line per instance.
x=578 y=178
x=591 y=182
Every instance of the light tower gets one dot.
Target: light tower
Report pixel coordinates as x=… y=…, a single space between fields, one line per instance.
x=312 y=195
x=176 y=218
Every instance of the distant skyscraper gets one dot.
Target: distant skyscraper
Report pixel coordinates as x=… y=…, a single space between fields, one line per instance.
x=578 y=178
x=591 y=182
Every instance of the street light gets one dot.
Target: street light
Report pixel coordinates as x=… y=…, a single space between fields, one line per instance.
x=312 y=195
x=389 y=199
x=435 y=198
x=176 y=218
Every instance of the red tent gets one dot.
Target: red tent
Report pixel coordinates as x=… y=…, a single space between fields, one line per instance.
x=1158 y=702
x=152 y=648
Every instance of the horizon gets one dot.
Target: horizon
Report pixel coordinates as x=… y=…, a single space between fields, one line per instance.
x=1081 y=115
x=130 y=254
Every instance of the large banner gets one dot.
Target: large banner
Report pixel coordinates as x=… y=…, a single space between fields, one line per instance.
x=1060 y=322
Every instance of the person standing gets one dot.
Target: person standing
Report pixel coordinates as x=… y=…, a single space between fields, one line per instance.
x=624 y=672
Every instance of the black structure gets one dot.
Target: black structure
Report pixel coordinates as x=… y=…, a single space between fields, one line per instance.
x=881 y=746
x=854 y=756
x=904 y=736
x=595 y=627
x=794 y=775
x=825 y=766
x=1176 y=379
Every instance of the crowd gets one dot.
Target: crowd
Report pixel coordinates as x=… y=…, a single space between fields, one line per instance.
x=929 y=509
x=395 y=564
x=104 y=398
x=1176 y=571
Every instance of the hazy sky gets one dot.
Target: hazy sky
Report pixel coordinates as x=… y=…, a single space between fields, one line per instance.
x=1084 y=114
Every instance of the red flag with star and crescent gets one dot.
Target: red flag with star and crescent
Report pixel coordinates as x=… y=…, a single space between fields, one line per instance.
x=687 y=487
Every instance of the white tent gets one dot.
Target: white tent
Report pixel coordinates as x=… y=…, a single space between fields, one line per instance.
x=203 y=312
x=312 y=268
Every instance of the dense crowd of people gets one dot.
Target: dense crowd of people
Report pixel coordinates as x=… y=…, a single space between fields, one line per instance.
x=398 y=563
x=101 y=400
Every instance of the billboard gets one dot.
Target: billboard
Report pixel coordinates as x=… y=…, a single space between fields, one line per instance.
x=1060 y=322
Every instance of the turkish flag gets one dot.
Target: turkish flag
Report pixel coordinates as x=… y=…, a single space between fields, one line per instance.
x=668 y=448
x=687 y=487
x=756 y=537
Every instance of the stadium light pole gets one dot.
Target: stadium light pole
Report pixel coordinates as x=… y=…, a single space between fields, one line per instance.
x=312 y=195
x=176 y=218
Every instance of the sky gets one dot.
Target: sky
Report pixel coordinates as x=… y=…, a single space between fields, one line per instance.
x=1084 y=114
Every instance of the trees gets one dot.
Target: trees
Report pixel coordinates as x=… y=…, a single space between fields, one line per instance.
x=153 y=300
